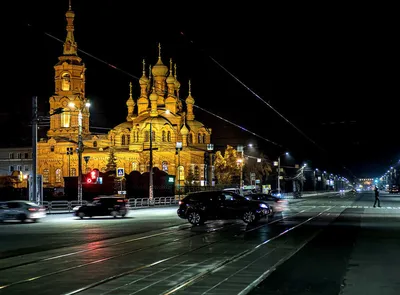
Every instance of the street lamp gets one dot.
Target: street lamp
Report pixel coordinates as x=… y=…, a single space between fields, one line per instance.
x=80 y=148
x=279 y=172
x=178 y=148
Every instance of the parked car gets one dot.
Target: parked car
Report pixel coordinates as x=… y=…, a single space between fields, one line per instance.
x=277 y=205
x=21 y=210
x=211 y=205
x=394 y=189
x=103 y=206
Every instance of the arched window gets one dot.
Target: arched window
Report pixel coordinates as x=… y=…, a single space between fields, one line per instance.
x=164 y=136
x=165 y=166
x=128 y=139
x=153 y=135
x=196 y=173
x=169 y=136
x=146 y=136
x=123 y=140
x=204 y=138
x=52 y=148
x=199 y=138
x=73 y=171
x=136 y=136
x=135 y=166
x=66 y=82
x=190 y=138
x=65 y=119
x=46 y=175
x=58 y=175
x=94 y=143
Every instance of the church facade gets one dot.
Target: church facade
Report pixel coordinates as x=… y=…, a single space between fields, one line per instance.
x=158 y=114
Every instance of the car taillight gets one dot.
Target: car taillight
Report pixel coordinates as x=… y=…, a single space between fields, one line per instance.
x=33 y=209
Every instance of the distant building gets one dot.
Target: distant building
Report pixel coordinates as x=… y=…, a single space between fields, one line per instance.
x=15 y=159
x=158 y=107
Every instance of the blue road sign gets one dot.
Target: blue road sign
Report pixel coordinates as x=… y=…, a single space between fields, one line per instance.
x=120 y=172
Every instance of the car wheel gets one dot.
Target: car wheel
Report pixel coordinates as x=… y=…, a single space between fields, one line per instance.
x=114 y=214
x=81 y=215
x=249 y=217
x=195 y=218
x=22 y=217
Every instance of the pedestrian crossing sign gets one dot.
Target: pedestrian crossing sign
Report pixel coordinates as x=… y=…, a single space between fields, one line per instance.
x=120 y=172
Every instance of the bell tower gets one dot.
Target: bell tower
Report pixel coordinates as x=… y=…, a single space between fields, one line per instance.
x=69 y=94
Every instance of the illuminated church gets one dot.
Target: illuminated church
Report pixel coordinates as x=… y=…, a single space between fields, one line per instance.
x=158 y=104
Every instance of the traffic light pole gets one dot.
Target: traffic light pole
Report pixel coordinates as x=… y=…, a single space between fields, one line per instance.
x=34 y=149
x=80 y=157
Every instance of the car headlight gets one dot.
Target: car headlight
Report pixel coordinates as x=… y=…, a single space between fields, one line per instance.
x=76 y=208
x=264 y=206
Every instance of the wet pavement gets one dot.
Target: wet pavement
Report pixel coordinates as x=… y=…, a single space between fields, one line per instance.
x=321 y=245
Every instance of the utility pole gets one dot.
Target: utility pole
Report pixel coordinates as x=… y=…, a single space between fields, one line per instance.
x=34 y=149
x=151 y=195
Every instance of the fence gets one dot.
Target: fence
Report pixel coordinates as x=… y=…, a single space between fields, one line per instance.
x=68 y=206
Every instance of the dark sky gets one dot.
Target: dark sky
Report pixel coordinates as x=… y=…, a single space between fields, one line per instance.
x=331 y=71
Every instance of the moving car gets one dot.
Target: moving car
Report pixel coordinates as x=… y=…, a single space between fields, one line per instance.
x=394 y=189
x=103 y=206
x=211 y=205
x=21 y=210
x=277 y=205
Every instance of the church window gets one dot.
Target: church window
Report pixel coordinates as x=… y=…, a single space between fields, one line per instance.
x=73 y=171
x=123 y=142
x=169 y=136
x=66 y=82
x=146 y=136
x=165 y=166
x=128 y=139
x=52 y=148
x=46 y=175
x=135 y=136
x=204 y=138
x=196 y=173
x=190 y=138
x=199 y=138
x=65 y=119
x=153 y=135
x=94 y=143
x=163 y=136
x=134 y=166
x=58 y=175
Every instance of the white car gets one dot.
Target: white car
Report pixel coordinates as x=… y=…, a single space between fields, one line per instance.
x=21 y=210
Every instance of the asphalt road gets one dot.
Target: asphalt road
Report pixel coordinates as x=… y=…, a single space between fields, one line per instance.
x=322 y=245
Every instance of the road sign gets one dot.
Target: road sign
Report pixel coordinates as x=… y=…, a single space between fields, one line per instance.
x=120 y=172
x=252 y=176
x=86 y=158
x=121 y=192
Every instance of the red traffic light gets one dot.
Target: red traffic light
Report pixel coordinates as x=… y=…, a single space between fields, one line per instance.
x=88 y=180
x=93 y=174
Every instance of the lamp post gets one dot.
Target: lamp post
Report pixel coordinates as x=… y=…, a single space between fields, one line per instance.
x=80 y=148
x=279 y=172
x=151 y=188
x=69 y=153
x=178 y=148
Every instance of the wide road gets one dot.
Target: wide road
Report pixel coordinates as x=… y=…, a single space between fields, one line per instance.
x=332 y=244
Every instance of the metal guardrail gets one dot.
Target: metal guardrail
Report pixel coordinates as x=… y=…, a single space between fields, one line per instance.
x=68 y=206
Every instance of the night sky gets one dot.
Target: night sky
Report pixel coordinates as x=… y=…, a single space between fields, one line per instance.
x=331 y=73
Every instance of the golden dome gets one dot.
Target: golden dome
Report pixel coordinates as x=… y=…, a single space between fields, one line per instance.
x=153 y=95
x=159 y=69
x=170 y=78
x=144 y=80
x=184 y=130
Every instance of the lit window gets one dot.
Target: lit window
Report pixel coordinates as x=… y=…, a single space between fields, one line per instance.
x=181 y=173
x=65 y=119
x=73 y=171
x=66 y=82
x=134 y=166
x=58 y=175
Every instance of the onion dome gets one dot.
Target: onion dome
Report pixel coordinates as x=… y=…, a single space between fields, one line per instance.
x=144 y=80
x=159 y=69
x=184 y=130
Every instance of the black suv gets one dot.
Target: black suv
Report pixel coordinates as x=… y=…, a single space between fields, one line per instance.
x=201 y=206
x=103 y=206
